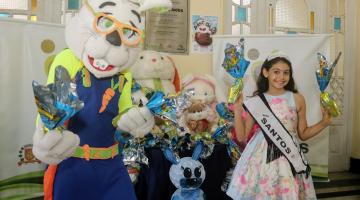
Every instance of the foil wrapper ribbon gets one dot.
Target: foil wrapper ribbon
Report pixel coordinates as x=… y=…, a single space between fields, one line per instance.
x=221 y=135
x=206 y=139
x=224 y=112
x=235 y=64
x=133 y=152
x=166 y=108
x=209 y=140
x=188 y=141
x=328 y=102
x=170 y=108
x=58 y=101
x=323 y=77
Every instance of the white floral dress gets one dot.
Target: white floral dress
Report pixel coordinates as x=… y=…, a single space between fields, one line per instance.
x=254 y=179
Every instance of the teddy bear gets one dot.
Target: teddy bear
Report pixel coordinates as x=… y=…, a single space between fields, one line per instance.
x=201 y=115
x=156 y=71
x=103 y=41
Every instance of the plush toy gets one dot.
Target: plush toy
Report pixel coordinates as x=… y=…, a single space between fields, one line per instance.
x=201 y=115
x=156 y=71
x=104 y=40
x=187 y=174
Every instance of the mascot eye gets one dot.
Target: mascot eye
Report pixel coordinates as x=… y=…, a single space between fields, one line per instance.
x=187 y=172
x=205 y=93
x=105 y=24
x=162 y=58
x=130 y=35
x=197 y=172
x=141 y=57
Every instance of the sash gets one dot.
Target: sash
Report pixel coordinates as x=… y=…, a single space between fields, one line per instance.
x=276 y=133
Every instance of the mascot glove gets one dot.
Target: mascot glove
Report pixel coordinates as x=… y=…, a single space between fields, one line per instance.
x=54 y=146
x=138 y=121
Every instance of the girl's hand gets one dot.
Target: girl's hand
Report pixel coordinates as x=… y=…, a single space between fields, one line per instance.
x=326 y=117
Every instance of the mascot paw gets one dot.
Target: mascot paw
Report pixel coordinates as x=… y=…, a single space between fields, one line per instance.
x=138 y=121
x=53 y=147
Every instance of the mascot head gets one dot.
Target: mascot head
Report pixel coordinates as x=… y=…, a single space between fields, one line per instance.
x=107 y=35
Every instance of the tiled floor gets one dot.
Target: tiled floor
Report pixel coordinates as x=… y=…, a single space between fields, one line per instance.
x=341 y=185
x=356 y=197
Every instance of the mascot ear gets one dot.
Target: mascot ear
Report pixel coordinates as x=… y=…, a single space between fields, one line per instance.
x=176 y=80
x=169 y=154
x=197 y=150
x=159 y=5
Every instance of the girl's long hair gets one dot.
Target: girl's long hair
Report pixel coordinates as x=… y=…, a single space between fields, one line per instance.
x=263 y=83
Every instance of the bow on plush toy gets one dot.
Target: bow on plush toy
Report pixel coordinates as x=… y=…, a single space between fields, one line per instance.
x=187 y=174
x=104 y=40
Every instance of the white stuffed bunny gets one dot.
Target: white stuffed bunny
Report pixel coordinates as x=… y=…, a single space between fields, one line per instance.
x=157 y=71
x=201 y=115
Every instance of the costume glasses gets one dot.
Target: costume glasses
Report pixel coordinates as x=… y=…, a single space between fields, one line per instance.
x=106 y=24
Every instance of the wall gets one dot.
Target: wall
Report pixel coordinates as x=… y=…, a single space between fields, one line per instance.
x=200 y=63
x=355 y=153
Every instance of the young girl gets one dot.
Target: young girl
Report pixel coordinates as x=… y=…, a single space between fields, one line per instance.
x=272 y=165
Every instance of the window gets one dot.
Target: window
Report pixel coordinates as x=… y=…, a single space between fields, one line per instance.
x=29 y=10
x=69 y=9
x=291 y=17
x=19 y=9
x=240 y=17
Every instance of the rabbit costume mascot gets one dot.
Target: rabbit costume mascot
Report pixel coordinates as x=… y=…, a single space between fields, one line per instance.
x=104 y=40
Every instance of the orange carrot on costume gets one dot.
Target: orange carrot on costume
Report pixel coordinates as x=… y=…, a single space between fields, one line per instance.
x=108 y=95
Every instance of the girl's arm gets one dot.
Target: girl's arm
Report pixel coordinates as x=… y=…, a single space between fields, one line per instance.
x=304 y=131
x=242 y=126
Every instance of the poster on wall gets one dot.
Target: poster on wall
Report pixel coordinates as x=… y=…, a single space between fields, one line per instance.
x=169 y=32
x=27 y=50
x=304 y=62
x=203 y=27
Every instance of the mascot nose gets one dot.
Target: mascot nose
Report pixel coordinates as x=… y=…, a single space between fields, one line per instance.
x=114 y=38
